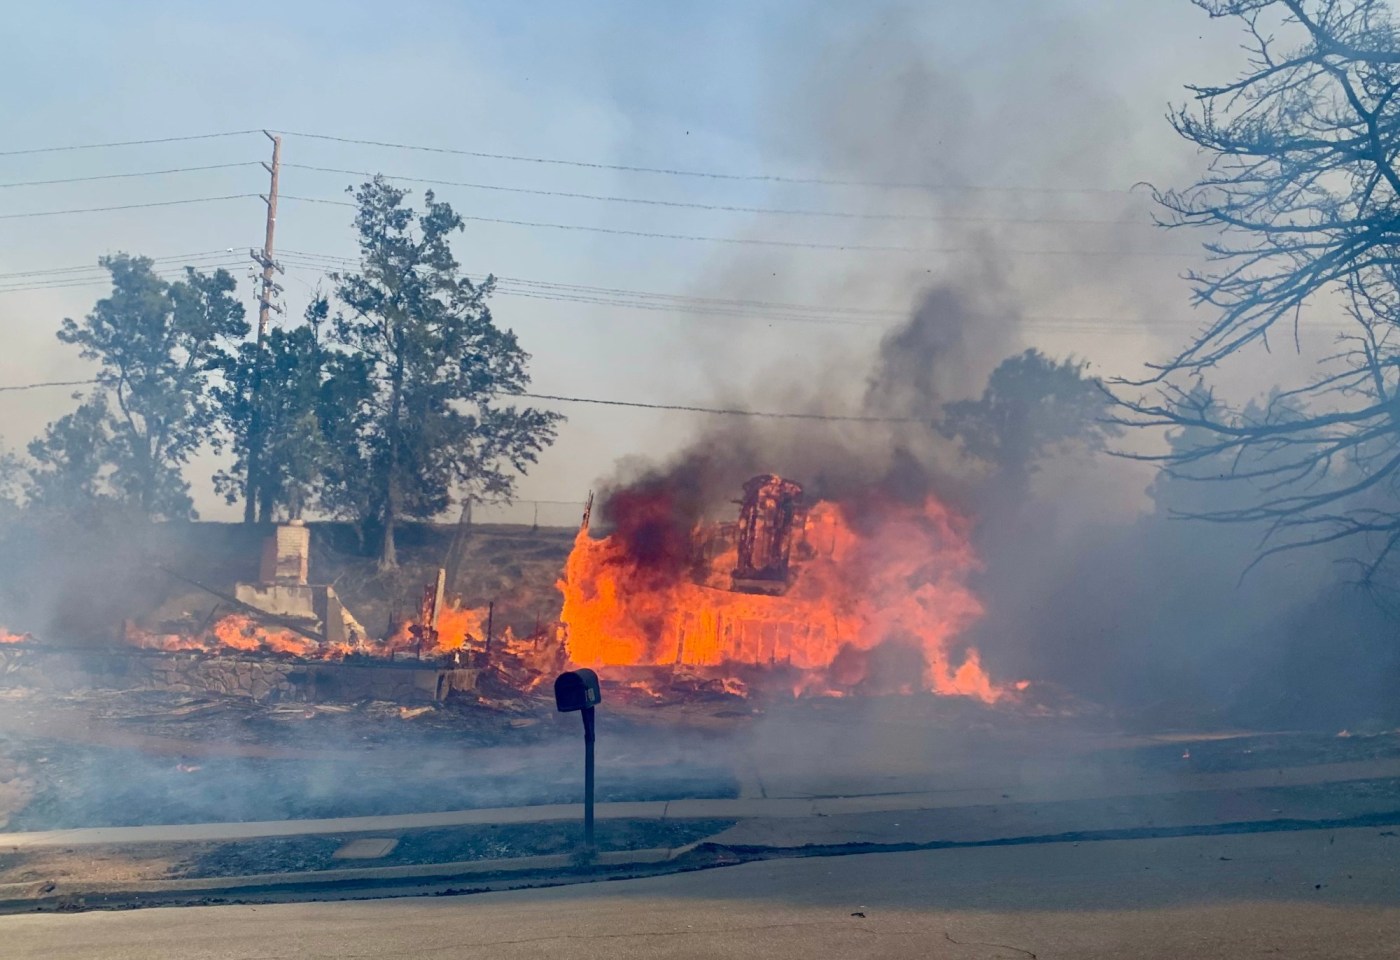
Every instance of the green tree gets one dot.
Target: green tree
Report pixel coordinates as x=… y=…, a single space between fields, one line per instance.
x=68 y=472
x=156 y=344
x=438 y=364
x=1033 y=406
x=312 y=399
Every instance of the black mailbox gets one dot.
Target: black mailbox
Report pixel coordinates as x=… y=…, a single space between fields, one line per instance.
x=577 y=690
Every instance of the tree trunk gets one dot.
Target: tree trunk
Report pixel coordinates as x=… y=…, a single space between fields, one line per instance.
x=250 y=481
x=264 y=507
x=388 y=558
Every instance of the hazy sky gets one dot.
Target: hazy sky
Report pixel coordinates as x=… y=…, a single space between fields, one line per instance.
x=1028 y=114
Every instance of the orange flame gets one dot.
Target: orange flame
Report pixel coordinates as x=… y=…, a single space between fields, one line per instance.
x=457 y=628
x=877 y=603
x=235 y=632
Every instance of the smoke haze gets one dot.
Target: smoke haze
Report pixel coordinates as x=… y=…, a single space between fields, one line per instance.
x=1090 y=586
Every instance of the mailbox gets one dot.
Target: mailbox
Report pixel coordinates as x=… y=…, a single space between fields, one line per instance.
x=577 y=690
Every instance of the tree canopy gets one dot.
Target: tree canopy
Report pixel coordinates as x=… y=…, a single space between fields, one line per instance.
x=1032 y=406
x=390 y=400
x=438 y=367
x=156 y=344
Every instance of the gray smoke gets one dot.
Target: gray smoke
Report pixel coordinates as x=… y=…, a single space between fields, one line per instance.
x=1090 y=586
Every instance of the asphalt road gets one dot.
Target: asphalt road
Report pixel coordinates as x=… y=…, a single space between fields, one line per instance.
x=1299 y=894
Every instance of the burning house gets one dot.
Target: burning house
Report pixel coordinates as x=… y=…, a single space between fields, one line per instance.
x=831 y=597
x=770 y=514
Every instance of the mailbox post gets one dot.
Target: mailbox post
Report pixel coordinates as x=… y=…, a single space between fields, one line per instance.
x=579 y=690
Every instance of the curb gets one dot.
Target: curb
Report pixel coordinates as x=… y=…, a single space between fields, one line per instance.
x=40 y=896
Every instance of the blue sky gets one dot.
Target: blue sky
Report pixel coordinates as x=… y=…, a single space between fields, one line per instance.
x=1047 y=95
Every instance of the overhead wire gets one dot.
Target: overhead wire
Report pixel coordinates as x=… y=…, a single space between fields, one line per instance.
x=125 y=206
x=720 y=411
x=46 y=383
x=127 y=176
x=763 y=242
x=127 y=143
x=65 y=283
x=566 y=162
x=549 y=291
x=687 y=408
x=672 y=303
x=702 y=174
x=725 y=208
x=196 y=255
x=544 y=289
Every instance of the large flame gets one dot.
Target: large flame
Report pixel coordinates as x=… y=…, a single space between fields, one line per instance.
x=878 y=600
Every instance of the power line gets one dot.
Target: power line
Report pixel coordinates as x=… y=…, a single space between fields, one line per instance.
x=750 y=309
x=692 y=309
x=125 y=206
x=719 y=410
x=47 y=383
x=798 y=244
x=64 y=283
x=703 y=174
x=724 y=208
x=609 y=403
x=555 y=161
x=196 y=255
x=126 y=143
x=579 y=293
x=126 y=176
x=525 y=288
x=71 y=273
x=689 y=298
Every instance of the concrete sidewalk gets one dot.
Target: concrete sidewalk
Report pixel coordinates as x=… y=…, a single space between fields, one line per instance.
x=146 y=877
x=747 y=808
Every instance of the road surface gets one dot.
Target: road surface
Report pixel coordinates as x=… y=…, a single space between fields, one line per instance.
x=1296 y=894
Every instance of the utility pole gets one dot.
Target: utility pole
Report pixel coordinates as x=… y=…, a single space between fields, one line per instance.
x=269 y=289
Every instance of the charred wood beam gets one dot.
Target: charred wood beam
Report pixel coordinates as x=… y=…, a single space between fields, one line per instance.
x=252 y=611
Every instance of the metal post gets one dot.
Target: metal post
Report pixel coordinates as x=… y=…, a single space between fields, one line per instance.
x=588 y=780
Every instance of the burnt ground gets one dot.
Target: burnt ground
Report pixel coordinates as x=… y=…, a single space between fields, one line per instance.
x=113 y=759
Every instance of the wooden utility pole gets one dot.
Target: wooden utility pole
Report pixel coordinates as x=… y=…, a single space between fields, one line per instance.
x=269 y=290
x=459 y=542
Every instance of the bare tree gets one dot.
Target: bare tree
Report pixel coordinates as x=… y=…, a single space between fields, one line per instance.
x=1302 y=199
